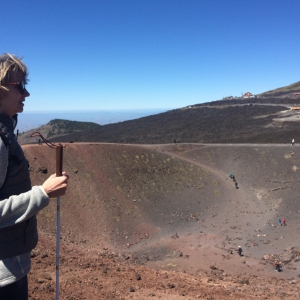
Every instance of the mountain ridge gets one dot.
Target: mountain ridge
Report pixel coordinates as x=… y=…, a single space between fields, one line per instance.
x=56 y=128
x=262 y=119
x=292 y=88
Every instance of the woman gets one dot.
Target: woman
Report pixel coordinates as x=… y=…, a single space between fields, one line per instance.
x=19 y=201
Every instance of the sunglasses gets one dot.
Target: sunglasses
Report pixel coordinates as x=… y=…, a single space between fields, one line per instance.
x=21 y=85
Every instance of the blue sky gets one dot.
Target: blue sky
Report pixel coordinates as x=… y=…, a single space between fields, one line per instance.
x=145 y=54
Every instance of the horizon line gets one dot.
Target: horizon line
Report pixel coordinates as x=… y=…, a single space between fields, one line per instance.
x=93 y=110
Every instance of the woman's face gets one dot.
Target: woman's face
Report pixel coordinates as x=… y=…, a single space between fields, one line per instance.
x=13 y=101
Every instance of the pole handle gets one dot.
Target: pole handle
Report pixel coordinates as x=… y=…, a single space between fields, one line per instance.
x=59 y=163
x=59 y=159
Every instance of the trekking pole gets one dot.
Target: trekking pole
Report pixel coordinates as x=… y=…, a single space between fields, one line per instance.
x=59 y=160
x=59 y=163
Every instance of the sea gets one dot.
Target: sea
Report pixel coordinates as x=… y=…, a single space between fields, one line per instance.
x=31 y=120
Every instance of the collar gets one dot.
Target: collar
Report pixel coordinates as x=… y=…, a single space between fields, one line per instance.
x=7 y=121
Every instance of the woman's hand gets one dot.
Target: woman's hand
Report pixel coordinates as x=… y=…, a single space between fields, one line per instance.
x=56 y=186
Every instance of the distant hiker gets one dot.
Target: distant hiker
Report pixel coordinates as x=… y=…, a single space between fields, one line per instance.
x=293 y=142
x=230 y=175
x=280 y=222
x=277 y=266
x=283 y=222
x=233 y=178
x=236 y=185
x=240 y=250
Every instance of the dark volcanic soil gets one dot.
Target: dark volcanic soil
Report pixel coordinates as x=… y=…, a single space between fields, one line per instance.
x=255 y=120
x=164 y=222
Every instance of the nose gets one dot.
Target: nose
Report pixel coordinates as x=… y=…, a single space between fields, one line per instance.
x=26 y=93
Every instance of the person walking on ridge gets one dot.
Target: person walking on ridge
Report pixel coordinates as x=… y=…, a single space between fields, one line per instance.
x=277 y=266
x=240 y=250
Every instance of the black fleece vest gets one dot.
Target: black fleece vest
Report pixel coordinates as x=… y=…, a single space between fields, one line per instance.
x=22 y=237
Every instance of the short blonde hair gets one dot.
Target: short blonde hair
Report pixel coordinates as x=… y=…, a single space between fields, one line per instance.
x=10 y=63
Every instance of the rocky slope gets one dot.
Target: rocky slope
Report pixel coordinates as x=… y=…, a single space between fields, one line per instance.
x=164 y=222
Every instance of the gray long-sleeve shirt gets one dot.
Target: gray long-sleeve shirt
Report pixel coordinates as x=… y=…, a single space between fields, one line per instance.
x=13 y=210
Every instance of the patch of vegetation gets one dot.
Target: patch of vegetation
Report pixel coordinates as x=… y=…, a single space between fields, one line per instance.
x=59 y=127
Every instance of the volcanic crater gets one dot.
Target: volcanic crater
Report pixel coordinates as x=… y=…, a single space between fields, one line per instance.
x=164 y=221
